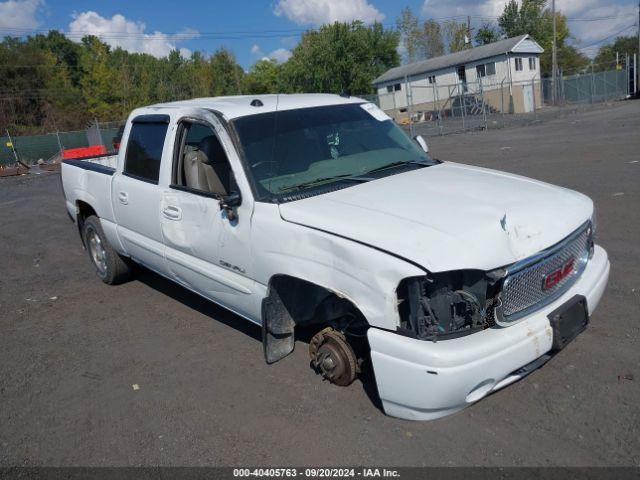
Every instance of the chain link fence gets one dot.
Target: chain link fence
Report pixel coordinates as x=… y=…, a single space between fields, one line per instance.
x=436 y=109
x=29 y=149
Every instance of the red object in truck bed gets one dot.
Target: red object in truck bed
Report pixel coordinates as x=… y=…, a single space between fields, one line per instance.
x=91 y=151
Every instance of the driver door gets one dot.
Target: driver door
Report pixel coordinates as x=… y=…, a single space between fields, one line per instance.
x=206 y=250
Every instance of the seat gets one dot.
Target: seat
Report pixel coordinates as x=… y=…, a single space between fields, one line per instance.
x=206 y=167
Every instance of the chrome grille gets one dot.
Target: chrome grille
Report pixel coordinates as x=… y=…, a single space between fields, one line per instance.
x=523 y=291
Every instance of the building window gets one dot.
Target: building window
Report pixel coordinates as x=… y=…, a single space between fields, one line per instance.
x=389 y=88
x=532 y=63
x=481 y=70
x=518 y=64
x=396 y=87
x=392 y=88
x=490 y=68
x=432 y=79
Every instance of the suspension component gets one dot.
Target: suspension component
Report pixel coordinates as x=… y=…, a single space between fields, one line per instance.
x=333 y=358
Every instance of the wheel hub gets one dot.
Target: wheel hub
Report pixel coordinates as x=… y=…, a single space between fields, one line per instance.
x=332 y=357
x=98 y=254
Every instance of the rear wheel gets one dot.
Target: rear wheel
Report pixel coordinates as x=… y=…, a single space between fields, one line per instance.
x=110 y=266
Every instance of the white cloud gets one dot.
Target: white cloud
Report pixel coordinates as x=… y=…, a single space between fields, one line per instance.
x=256 y=50
x=129 y=35
x=19 y=14
x=618 y=15
x=280 y=55
x=317 y=12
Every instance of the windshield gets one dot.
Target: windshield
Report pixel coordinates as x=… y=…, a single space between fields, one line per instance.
x=291 y=150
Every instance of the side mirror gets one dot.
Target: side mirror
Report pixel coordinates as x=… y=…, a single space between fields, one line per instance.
x=422 y=142
x=229 y=202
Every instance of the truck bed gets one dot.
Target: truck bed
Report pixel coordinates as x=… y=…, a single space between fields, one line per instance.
x=103 y=163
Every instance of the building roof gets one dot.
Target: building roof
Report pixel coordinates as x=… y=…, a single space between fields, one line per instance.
x=239 y=106
x=514 y=44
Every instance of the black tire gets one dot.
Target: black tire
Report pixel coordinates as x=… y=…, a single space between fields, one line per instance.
x=110 y=266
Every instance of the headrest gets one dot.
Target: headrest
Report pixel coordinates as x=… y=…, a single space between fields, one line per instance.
x=211 y=147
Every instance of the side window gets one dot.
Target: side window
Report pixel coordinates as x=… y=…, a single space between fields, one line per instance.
x=532 y=63
x=201 y=164
x=491 y=68
x=480 y=70
x=518 y=64
x=144 y=150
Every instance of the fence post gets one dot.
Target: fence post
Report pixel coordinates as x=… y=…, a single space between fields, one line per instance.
x=13 y=147
x=484 y=104
x=436 y=101
x=461 y=97
x=533 y=93
x=591 y=83
x=409 y=103
x=59 y=143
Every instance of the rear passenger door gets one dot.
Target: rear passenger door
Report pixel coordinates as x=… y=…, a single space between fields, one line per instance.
x=136 y=195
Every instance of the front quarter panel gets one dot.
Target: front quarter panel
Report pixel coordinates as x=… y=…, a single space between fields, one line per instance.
x=364 y=275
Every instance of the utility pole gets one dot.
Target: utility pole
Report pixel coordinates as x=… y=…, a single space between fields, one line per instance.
x=554 y=58
x=636 y=73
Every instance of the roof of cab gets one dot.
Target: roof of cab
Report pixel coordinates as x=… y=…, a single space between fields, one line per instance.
x=240 y=106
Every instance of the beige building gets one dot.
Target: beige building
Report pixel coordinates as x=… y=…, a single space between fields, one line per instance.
x=503 y=76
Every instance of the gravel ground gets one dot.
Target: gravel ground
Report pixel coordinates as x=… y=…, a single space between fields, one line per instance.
x=72 y=348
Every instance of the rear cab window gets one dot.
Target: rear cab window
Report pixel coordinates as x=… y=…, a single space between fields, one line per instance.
x=144 y=148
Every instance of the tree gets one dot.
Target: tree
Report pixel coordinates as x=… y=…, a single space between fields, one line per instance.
x=571 y=60
x=227 y=74
x=432 y=39
x=486 y=34
x=98 y=78
x=531 y=17
x=419 y=41
x=407 y=26
x=606 y=57
x=264 y=77
x=455 y=34
x=341 y=57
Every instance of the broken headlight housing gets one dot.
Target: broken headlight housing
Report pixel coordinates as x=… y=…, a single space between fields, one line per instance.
x=448 y=304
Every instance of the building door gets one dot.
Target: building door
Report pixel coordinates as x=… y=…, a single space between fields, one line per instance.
x=462 y=77
x=528 y=98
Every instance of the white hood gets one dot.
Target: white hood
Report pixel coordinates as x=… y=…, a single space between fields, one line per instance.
x=448 y=216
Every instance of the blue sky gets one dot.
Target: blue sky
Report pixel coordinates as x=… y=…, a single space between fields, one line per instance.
x=255 y=29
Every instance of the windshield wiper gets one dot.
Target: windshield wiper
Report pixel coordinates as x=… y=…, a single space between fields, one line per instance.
x=319 y=181
x=399 y=164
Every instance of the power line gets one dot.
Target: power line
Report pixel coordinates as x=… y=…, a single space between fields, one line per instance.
x=596 y=43
x=240 y=34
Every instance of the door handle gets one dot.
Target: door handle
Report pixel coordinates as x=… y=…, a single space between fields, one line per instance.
x=123 y=197
x=172 y=213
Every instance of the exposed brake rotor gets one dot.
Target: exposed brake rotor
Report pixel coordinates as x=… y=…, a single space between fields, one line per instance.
x=333 y=358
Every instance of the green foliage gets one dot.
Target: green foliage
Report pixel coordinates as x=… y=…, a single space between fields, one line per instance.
x=532 y=17
x=341 y=57
x=419 y=41
x=486 y=34
x=454 y=34
x=606 y=57
x=264 y=77
x=48 y=82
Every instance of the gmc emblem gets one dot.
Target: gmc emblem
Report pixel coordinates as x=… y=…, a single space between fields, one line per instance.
x=555 y=277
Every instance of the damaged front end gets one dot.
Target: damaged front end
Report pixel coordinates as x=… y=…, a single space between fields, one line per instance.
x=448 y=304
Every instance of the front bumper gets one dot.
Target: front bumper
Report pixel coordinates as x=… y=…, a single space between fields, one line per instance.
x=423 y=380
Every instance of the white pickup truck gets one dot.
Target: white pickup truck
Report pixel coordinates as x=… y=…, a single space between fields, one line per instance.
x=318 y=211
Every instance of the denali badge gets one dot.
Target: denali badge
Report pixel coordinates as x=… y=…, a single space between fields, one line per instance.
x=555 y=277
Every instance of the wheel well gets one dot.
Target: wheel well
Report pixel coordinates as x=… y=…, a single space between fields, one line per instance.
x=293 y=302
x=84 y=211
x=309 y=303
